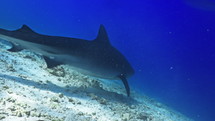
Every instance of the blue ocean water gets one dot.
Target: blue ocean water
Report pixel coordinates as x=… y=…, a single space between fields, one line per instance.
x=171 y=43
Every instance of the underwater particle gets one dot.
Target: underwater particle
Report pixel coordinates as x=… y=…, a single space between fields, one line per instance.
x=170 y=68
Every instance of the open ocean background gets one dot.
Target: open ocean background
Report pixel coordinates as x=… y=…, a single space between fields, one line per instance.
x=170 y=43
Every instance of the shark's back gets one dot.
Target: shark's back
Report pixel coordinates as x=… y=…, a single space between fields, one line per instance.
x=27 y=34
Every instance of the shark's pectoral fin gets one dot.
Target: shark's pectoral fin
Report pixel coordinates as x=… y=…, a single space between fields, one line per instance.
x=15 y=48
x=125 y=82
x=51 y=63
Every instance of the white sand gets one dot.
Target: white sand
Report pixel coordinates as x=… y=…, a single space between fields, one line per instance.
x=31 y=92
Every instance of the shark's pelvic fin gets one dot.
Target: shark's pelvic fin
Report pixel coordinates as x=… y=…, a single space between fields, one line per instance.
x=102 y=36
x=125 y=82
x=51 y=63
x=15 y=48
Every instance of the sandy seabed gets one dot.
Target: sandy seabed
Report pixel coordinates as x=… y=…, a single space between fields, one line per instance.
x=29 y=91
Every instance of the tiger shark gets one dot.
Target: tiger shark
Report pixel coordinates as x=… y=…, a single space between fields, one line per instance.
x=97 y=57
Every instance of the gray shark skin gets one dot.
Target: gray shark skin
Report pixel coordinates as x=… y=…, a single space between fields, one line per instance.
x=96 y=58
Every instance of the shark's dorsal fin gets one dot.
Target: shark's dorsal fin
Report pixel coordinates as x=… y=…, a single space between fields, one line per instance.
x=102 y=36
x=25 y=28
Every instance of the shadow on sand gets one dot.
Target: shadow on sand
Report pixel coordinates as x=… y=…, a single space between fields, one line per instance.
x=74 y=91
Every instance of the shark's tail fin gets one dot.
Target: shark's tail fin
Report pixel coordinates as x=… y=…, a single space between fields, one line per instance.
x=125 y=82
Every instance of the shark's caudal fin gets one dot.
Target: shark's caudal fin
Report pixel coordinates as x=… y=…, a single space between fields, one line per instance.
x=125 y=82
x=102 y=36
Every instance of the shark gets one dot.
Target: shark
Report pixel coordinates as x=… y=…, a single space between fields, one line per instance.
x=95 y=57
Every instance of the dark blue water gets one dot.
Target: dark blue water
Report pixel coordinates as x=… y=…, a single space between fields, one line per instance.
x=170 y=43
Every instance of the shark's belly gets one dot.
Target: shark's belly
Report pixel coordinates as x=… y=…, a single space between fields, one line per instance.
x=85 y=67
x=96 y=73
x=38 y=48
